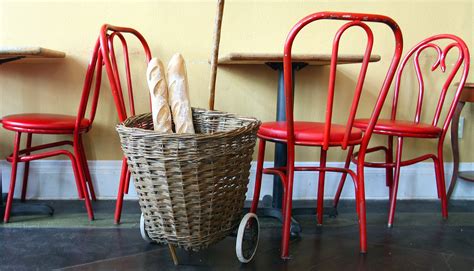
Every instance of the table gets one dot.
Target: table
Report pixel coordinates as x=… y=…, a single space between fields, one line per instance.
x=467 y=96
x=275 y=61
x=27 y=54
x=8 y=54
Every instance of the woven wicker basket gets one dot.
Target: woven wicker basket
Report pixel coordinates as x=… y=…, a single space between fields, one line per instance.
x=191 y=187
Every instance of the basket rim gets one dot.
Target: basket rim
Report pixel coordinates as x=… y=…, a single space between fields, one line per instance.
x=252 y=124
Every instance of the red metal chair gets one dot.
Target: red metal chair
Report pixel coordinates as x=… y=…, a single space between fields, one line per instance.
x=325 y=134
x=107 y=35
x=415 y=128
x=57 y=124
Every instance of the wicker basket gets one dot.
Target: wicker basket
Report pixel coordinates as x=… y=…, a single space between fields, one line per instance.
x=191 y=187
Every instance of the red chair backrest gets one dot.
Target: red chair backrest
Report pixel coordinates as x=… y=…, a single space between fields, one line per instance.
x=353 y=19
x=440 y=61
x=107 y=35
x=93 y=76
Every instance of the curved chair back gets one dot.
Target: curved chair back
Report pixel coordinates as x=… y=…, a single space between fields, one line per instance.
x=107 y=35
x=435 y=43
x=353 y=20
x=94 y=69
x=122 y=90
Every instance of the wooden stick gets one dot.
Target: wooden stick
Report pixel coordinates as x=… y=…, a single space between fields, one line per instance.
x=215 y=52
x=173 y=254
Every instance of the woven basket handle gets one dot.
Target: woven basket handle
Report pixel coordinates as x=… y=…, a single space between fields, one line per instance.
x=215 y=52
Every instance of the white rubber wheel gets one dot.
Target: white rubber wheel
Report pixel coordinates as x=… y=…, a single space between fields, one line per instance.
x=143 y=232
x=247 y=238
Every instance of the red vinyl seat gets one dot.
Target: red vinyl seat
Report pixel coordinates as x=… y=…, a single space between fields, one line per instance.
x=51 y=123
x=401 y=127
x=436 y=49
x=57 y=124
x=326 y=135
x=308 y=133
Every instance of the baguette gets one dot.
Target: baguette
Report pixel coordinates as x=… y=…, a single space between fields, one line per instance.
x=178 y=90
x=158 y=87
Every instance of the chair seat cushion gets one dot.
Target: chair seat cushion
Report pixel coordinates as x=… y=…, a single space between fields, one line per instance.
x=400 y=127
x=35 y=121
x=308 y=133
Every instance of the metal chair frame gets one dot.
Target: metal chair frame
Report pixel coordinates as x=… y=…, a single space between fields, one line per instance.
x=81 y=126
x=107 y=35
x=417 y=129
x=286 y=173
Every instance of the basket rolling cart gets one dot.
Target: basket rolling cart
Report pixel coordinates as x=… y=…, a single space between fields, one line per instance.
x=192 y=187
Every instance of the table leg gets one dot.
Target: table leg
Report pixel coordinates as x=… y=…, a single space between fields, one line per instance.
x=280 y=148
x=1 y=193
x=455 y=147
x=272 y=204
x=20 y=208
x=28 y=208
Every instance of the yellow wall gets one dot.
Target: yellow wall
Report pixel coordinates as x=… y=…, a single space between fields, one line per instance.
x=186 y=27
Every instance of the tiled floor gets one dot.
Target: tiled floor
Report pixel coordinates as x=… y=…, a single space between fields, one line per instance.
x=420 y=240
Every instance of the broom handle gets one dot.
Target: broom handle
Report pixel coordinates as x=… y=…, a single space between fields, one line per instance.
x=215 y=52
x=173 y=254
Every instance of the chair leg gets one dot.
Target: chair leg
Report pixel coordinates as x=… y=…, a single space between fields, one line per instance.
x=127 y=182
x=119 y=203
x=437 y=176
x=389 y=170
x=343 y=177
x=85 y=166
x=27 y=169
x=440 y=180
x=258 y=176
x=322 y=175
x=77 y=178
x=396 y=179
x=288 y=194
x=11 y=191
x=361 y=208
x=79 y=173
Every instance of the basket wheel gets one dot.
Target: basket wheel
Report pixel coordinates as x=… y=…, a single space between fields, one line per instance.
x=143 y=232
x=247 y=238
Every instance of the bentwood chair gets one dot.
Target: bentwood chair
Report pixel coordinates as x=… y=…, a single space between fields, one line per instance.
x=396 y=127
x=108 y=34
x=327 y=134
x=57 y=124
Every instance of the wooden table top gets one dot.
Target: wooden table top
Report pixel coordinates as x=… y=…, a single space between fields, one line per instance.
x=467 y=94
x=469 y=85
x=310 y=59
x=8 y=54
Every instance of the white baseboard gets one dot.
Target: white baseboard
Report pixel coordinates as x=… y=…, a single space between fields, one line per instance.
x=53 y=179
